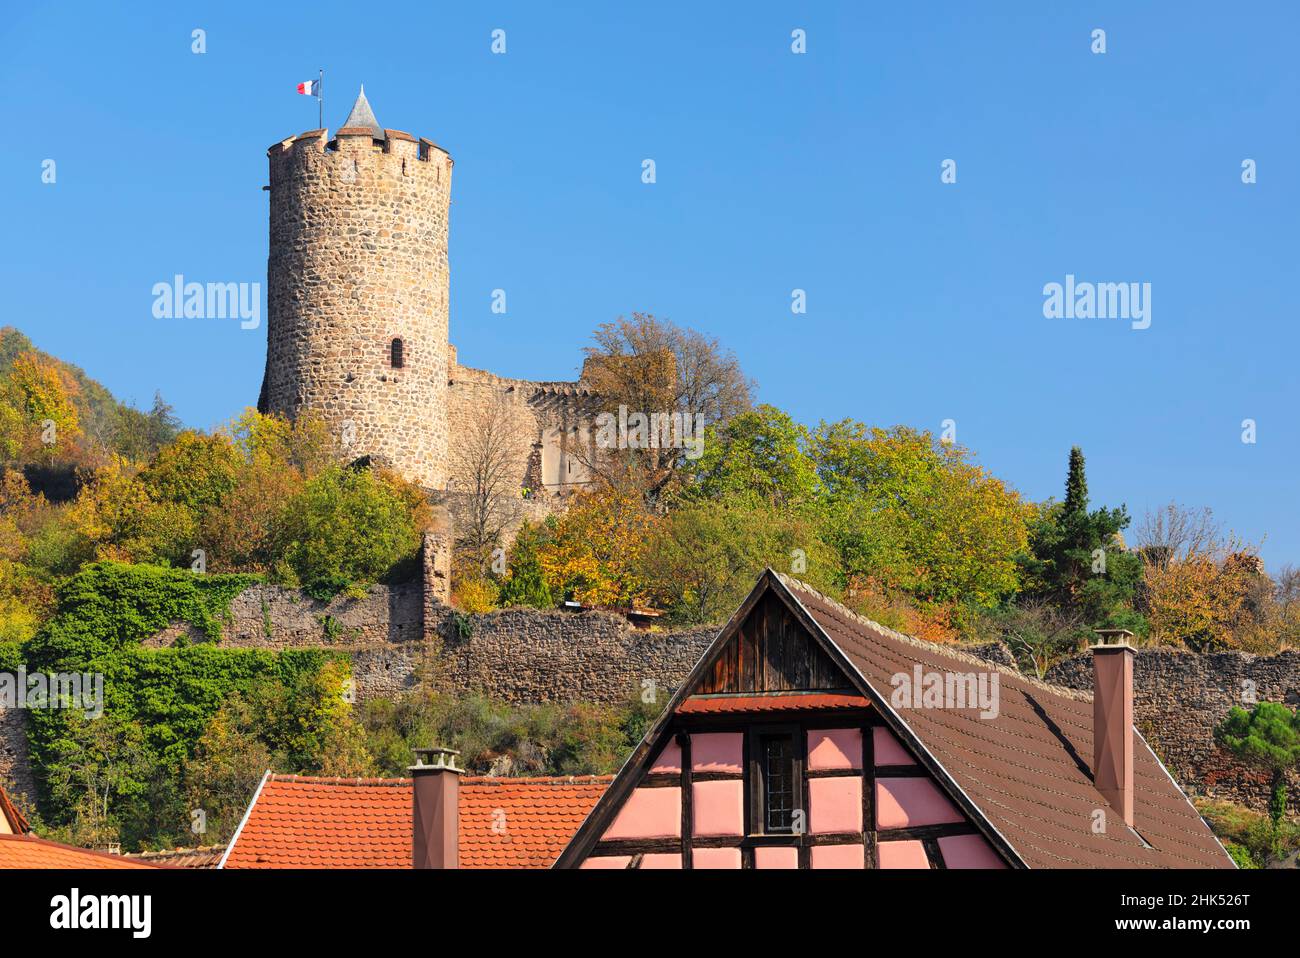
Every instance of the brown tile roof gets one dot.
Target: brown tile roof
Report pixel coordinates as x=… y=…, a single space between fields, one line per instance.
x=1028 y=771
x=206 y=856
x=786 y=702
x=28 y=851
x=303 y=822
x=18 y=823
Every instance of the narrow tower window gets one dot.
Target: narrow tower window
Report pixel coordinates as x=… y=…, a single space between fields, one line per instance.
x=396 y=357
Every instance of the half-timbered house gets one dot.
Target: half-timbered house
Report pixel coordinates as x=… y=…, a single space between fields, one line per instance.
x=810 y=737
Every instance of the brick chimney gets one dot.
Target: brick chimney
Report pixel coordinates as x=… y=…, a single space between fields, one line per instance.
x=435 y=809
x=1112 y=719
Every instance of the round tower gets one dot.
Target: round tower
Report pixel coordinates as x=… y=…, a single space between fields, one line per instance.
x=357 y=286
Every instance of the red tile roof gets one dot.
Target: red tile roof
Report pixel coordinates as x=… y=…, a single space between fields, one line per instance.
x=793 y=702
x=304 y=822
x=522 y=822
x=17 y=821
x=28 y=851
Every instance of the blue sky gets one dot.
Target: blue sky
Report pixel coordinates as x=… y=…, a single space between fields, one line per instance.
x=775 y=171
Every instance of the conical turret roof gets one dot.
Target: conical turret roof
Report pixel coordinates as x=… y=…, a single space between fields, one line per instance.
x=362 y=117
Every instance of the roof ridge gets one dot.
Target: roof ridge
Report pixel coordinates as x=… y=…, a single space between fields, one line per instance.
x=173 y=851
x=475 y=779
x=954 y=652
x=538 y=779
x=338 y=780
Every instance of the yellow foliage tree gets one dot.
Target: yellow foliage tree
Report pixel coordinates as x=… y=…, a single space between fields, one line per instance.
x=1203 y=600
x=594 y=551
x=38 y=417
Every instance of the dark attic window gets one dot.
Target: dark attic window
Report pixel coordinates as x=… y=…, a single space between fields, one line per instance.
x=395 y=354
x=779 y=787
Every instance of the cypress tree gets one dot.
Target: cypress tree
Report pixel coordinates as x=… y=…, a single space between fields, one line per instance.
x=1076 y=484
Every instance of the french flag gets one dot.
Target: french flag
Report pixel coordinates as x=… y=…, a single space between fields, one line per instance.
x=310 y=88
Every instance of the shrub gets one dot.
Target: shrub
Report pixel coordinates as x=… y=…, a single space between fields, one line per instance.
x=347 y=526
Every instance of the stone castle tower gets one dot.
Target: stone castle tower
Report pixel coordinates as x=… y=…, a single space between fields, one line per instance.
x=357 y=325
x=357 y=290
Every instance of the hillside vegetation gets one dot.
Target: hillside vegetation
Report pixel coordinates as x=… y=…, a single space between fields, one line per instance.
x=116 y=523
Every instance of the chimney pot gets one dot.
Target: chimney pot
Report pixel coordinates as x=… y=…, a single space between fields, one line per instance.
x=435 y=810
x=1112 y=719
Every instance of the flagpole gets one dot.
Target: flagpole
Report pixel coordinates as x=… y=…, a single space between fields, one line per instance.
x=320 y=100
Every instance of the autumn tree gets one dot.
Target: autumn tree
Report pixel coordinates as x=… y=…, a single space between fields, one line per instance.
x=275 y=458
x=38 y=414
x=650 y=366
x=115 y=517
x=592 y=551
x=196 y=470
x=229 y=761
x=1208 y=599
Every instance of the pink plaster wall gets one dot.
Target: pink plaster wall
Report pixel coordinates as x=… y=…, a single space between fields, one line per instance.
x=661 y=861
x=836 y=804
x=649 y=813
x=834 y=748
x=905 y=802
x=969 y=851
x=776 y=858
x=608 y=861
x=670 y=758
x=901 y=855
x=715 y=858
x=717 y=752
x=889 y=750
x=838 y=856
x=718 y=808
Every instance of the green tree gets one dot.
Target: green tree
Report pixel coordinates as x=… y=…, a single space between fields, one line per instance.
x=139 y=436
x=756 y=457
x=917 y=514
x=222 y=774
x=703 y=558
x=1268 y=737
x=347 y=527
x=526 y=582
x=1077 y=560
x=1076 y=484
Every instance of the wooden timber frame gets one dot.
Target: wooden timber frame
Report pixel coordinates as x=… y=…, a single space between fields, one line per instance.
x=724 y=669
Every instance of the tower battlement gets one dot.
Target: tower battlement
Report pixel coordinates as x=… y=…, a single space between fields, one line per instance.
x=353 y=140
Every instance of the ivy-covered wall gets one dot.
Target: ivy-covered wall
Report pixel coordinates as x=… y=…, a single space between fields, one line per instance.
x=157 y=702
